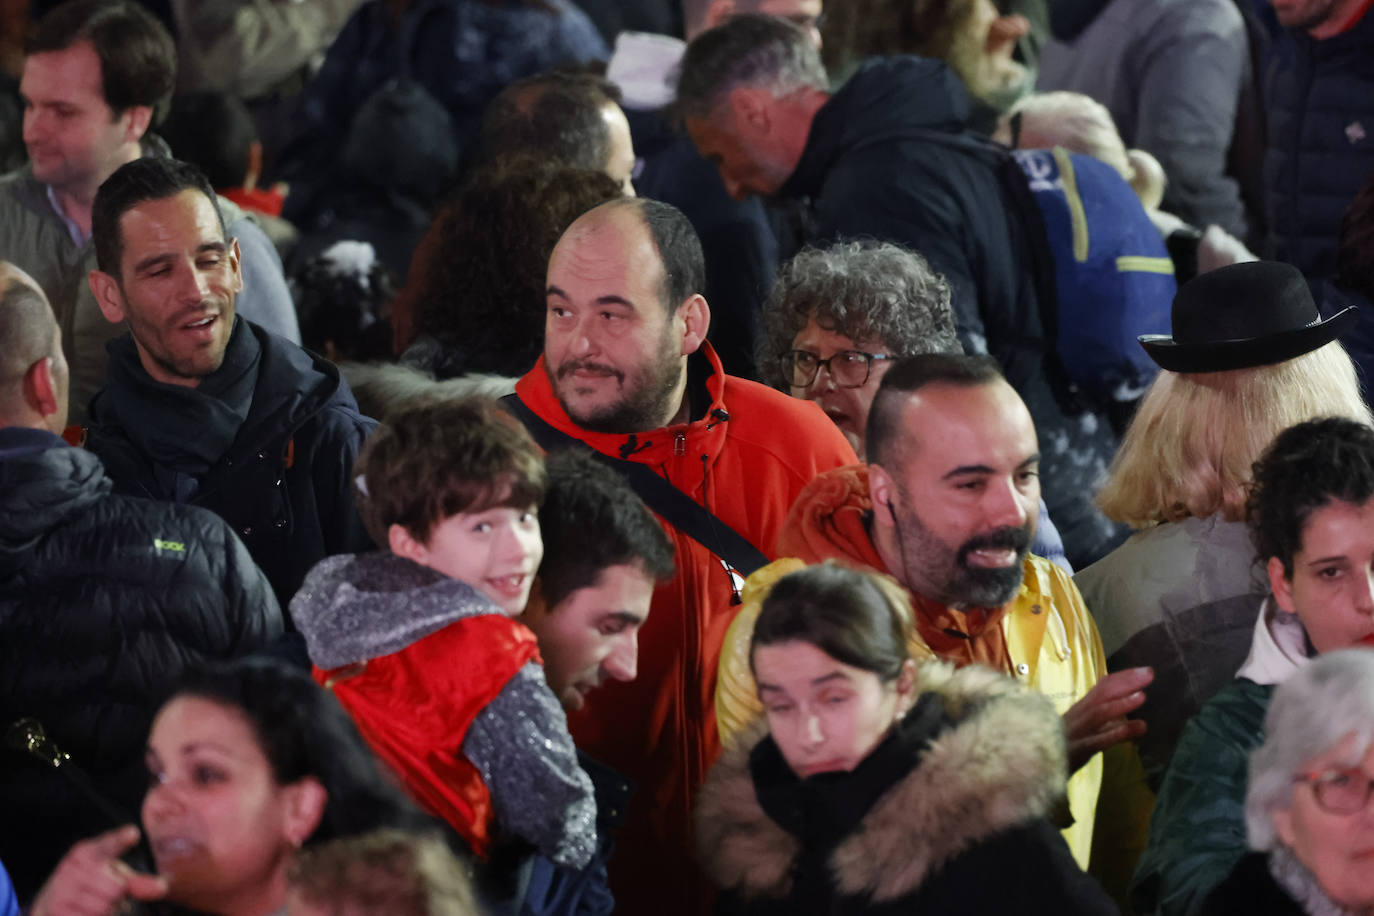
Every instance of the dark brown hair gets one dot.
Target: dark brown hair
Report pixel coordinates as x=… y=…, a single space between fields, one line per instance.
x=138 y=58
x=435 y=458
x=481 y=293
x=858 y=618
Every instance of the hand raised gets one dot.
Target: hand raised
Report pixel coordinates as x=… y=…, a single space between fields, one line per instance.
x=91 y=881
x=1098 y=721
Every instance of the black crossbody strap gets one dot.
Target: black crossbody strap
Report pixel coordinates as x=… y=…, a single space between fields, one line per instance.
x=676 y=507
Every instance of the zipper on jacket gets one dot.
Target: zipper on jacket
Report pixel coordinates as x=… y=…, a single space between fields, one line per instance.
x=680 y=444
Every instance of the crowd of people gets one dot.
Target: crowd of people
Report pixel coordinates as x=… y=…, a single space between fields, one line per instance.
x=572 y=457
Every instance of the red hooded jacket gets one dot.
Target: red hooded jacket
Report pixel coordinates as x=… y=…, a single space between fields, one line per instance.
x=746 y=460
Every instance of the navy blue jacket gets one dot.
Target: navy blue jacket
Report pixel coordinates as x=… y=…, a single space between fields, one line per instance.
x=1319 y=98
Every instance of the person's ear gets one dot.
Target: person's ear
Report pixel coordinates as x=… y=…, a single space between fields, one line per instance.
x=881 y=489
x=250 y=180
x=404 y=544
x=1281 y=585
x=695 y=316
x=906 y=688
x=40 y=387
x=717 y=12
x=1283 y=826
x=1005 y=31
x=108 y=295
x=305 y=799
x=140 y=117
x=236 y=265
x=751 y=107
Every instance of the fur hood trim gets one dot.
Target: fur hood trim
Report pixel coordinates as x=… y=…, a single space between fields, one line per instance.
x=1002 y=764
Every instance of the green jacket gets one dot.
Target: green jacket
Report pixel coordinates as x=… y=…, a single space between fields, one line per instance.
x=1197 y=832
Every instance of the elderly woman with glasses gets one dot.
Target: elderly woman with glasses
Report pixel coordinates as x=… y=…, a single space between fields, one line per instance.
x=1307 y=812
x=836 y=320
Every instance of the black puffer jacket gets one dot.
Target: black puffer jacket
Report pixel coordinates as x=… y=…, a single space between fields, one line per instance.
x=872 y=169
x=104 y=601
x=285 y=483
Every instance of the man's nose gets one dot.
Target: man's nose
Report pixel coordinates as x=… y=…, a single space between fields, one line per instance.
x=1006 y=506
x=813 y=734
x=623 y=663
x=193 y=286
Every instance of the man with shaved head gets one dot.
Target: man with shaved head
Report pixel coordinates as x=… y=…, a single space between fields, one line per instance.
x=627 y=372
x=104 y=601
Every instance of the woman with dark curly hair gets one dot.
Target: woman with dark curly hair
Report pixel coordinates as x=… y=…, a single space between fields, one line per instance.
x=478 y=285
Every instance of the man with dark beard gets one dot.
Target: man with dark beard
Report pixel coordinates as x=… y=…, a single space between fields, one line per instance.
x=627 y=371
x=947 y=506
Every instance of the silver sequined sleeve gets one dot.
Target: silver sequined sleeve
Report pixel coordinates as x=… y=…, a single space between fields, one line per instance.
x=521 y=745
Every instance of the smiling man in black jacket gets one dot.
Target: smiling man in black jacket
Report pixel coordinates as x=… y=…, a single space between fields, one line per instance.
x=201 y=406
x=104 y=601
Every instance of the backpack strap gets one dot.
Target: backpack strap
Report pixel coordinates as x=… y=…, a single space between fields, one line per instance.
x=670 y=503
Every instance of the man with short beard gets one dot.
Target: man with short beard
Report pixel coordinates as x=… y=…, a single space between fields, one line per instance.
x=627 y=371
x=947 y=506
x=202 y=406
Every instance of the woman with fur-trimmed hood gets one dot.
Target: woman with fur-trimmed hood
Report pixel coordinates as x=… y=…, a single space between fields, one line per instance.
x=876 y=786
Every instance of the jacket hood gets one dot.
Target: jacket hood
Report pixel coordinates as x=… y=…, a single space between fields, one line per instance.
x=886 y=98
x=40 y=487
x=1000 y=764
x=352 y=608
x=830 y=519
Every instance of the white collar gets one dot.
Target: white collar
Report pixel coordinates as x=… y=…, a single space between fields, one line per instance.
x=1279 y=647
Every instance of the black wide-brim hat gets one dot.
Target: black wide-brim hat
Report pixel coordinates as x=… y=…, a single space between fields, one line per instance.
x=1244 y=315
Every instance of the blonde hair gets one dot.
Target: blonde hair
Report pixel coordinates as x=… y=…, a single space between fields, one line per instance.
x=1082 y=124
x=1189 y=450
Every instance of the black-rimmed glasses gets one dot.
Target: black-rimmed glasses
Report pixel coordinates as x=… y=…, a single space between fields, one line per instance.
x=1339 y=791
x=849 y=368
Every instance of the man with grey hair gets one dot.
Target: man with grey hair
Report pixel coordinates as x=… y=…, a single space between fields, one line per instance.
x=104 y=601
x=889 y=156
x=738 y=236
